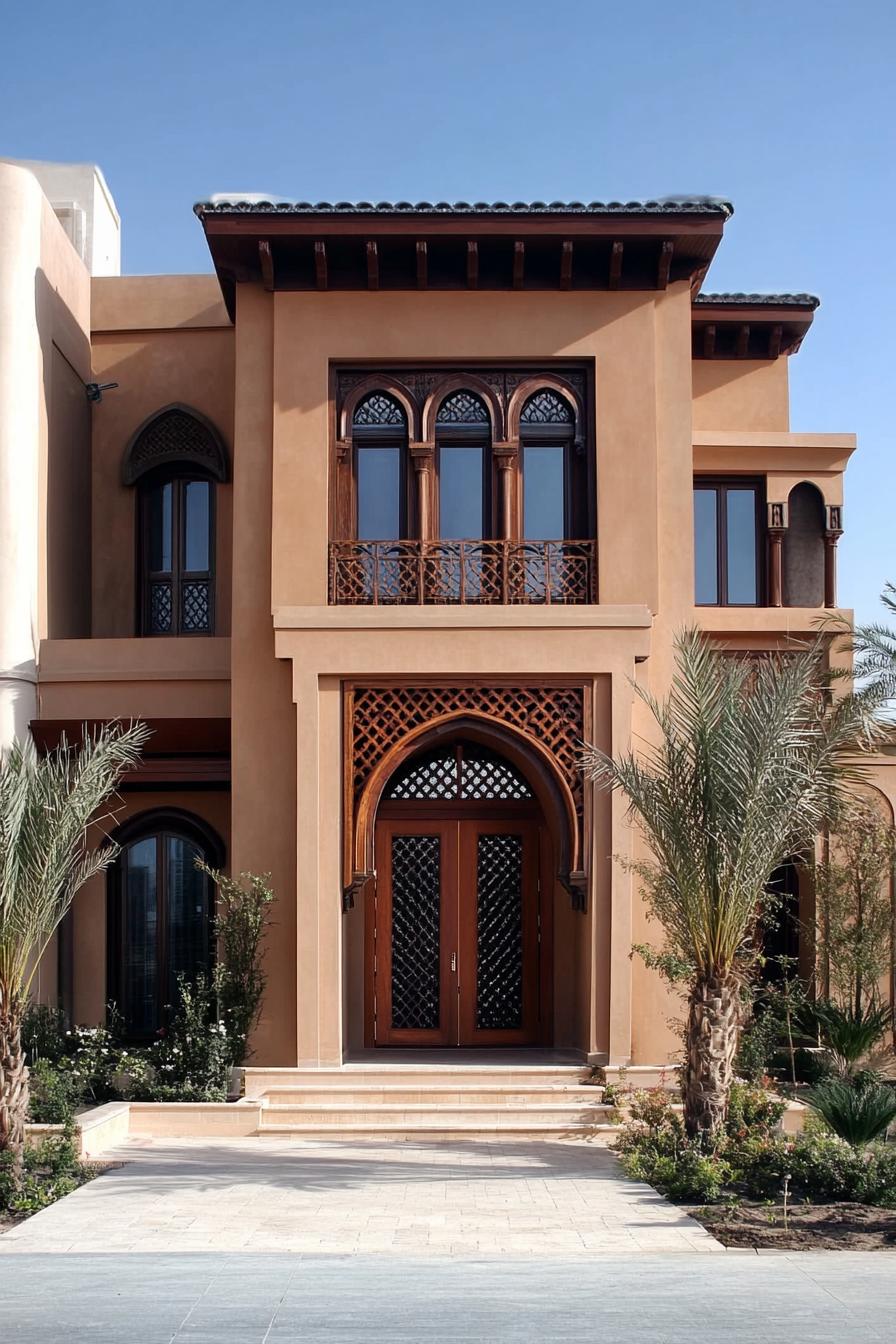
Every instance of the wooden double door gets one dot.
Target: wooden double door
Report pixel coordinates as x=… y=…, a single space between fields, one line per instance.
x=459 y=945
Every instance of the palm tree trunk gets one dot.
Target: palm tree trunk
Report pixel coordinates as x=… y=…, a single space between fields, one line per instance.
x=714 y=1017
x=13 y=1082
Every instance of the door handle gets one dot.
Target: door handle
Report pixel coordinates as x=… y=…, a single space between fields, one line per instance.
x=454 y=961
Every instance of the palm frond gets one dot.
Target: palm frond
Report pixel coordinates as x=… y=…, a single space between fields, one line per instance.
x=46 y=806
x=746 y=765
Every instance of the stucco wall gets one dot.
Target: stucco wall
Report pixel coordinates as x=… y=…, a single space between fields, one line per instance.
x=744 y=394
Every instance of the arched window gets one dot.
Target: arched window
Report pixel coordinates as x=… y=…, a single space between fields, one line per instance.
x=463 y=439
x=160 y=914
x=380 y=435
x=553 y=495
x=175 y=459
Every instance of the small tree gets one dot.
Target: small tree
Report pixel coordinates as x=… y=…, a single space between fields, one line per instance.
x=855 y=925
x=46 y=806
x=242 y=918
x=745 y=769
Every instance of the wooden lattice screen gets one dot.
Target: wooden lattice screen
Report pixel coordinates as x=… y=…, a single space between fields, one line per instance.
x=379 y=717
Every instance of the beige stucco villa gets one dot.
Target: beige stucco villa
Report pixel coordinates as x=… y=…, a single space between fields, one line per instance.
x=375 y=524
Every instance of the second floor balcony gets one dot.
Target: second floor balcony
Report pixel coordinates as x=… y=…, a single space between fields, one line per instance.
x=471 y=572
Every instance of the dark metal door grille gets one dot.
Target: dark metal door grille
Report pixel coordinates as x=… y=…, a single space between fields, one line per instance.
x=416 y=901
x=499 y=932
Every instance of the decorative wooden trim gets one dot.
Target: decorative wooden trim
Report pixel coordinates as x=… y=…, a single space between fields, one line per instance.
x=833 y=533
x=742 y=346
x=422 y=264
x=472 y=264
x=176 y=434
x=557 y=383
x=457 y=382
x=378 y=382
x=539 y=727
x=373 y=266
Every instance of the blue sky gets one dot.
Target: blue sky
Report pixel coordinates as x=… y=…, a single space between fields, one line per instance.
x=781 y=107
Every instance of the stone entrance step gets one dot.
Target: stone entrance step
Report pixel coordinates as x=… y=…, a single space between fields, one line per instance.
x=429 y=1100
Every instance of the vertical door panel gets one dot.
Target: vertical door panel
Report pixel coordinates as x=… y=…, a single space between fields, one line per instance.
x=415 y=921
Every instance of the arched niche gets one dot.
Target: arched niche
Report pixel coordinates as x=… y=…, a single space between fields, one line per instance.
x=803 y=560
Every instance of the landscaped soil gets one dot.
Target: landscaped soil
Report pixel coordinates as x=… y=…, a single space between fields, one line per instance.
x=810 y=1227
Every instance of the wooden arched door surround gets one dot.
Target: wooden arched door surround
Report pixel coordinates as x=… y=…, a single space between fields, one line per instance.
x=459 y=917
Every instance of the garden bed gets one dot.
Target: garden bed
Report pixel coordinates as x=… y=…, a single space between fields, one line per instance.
x=810 y=1227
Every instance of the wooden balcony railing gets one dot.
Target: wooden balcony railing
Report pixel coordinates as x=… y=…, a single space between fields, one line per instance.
x=471 y=573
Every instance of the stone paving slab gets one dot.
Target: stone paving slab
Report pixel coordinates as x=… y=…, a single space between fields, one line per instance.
x=808 y=1298
x=553 y=1199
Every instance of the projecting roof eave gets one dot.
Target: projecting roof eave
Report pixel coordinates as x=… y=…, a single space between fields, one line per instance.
x=404 y=246
x=750 y=326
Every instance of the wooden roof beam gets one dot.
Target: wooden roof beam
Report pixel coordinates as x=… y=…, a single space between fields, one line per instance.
x=422 y=260
x=615 y=265
x=472 y=265
x=373 y=266
x=266 y=261
x=774 y=341
x=664 y=265
x=320 y=264
x=519 y=263
x=566 y=264
x=709 y=340
x=743 y=340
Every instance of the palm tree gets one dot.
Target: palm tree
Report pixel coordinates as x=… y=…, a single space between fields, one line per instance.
x=46 y=805
x=873 y=647
x=744 y=770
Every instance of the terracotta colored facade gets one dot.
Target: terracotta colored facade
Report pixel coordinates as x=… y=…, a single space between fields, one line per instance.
x=281 y=726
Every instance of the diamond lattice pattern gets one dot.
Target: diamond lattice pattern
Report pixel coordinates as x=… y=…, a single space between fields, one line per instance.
x=416 y=880
x=551 y=715
x=499 y=932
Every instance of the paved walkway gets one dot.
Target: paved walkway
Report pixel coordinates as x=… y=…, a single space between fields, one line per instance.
x=458 y=1198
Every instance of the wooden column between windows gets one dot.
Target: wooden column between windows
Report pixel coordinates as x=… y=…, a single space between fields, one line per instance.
x=833 y=533
x=776 y=526
x=506 y=457
x=423 y=458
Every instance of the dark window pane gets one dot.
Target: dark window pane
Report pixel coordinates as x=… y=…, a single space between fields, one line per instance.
x=160 y=539
x=460 y=492
x=141 y=914
x=706 y=580
x=196 y=525
x=741 y=513
x=187 y=912
x=379 y=494
x=544 y=492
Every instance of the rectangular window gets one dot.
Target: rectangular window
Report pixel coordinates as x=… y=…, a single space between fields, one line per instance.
x=461 y=492
x=727 y=534
x=379 y=494
x=544 y=491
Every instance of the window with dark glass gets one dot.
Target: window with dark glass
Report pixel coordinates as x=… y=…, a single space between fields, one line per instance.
x=379 y=433
x=463 y=438
x=727 y=533
x=548 y=468
x=160 y=921
x=177 y=551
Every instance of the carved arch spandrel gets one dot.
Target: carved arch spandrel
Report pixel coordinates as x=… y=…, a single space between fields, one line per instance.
x=384 y=725
x=462 y=382
x=538 y=383
x=174 y=435
x=378 y=382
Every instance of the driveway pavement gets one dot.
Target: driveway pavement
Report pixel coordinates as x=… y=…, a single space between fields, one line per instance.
x=275 y=1299
x=457 y=1198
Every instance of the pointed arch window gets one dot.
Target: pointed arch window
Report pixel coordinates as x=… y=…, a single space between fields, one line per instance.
x=161 y=909
x=380 y=436
x=552 y=472
x=463 y=443
x=175 y=460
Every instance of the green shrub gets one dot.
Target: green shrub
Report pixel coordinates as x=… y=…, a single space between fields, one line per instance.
x=859 y=1111
x=751 y=1110
x=191 y=1061
x=54 y=1093
x=52 y=1169
x=823 y=1169
x=43 y=1033
x=850 y=1036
